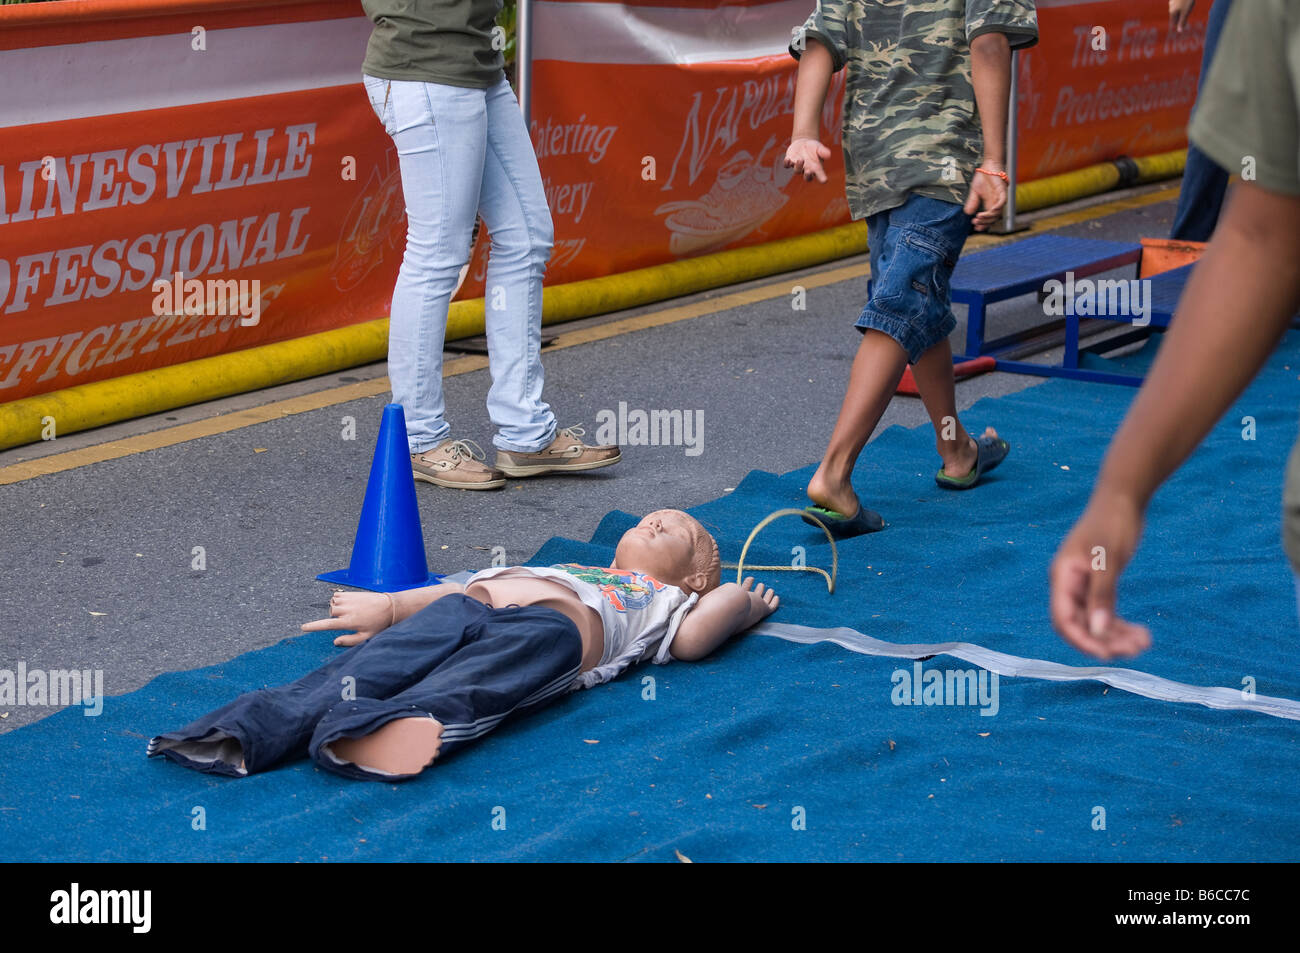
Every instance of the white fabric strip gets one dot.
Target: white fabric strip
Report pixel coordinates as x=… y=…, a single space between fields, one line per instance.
x=1130 y=680
x=631 y=35
x=77 y=80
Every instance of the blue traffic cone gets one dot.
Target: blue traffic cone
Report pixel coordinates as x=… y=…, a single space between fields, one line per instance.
x=388 y=553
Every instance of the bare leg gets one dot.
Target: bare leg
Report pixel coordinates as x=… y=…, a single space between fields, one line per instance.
x=402 y=746
x=934 y=381
x=874 y=378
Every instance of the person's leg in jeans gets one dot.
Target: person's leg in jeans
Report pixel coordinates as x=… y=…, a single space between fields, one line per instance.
x=513 y=205
x=1200 y=198
x=441 y=138
x=511 y=660
x=263 y=728
x=914 y=248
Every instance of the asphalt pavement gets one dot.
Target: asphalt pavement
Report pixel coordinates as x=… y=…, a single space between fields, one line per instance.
x=193 y=553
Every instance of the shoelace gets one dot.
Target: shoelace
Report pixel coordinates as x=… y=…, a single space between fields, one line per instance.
x=459 y=449
x=577 y=432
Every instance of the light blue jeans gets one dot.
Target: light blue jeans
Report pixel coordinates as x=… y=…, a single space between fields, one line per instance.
x=465 y=153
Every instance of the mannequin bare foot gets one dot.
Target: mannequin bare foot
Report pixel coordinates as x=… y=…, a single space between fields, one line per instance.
x=962 y=462
x=832 y=494
x=403 y=746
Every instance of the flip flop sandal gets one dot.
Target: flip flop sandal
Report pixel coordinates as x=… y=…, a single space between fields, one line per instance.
x=841 y=526
x=990 y=451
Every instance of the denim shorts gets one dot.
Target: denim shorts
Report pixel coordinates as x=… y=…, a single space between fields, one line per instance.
x=914 y=248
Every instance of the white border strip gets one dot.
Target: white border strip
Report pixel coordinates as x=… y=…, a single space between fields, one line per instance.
x=630 y=35
x=1127 y=679
x=81 y=80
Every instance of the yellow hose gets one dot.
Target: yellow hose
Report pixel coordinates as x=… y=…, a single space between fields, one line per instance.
x=1095 y=179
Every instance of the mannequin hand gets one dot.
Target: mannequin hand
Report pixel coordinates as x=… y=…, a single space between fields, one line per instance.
x=366 y=613
x=762 y=601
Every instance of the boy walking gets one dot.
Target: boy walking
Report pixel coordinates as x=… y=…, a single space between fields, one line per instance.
x=925 y=116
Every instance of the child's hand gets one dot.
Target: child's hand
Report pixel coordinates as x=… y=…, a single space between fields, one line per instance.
x=987 y=198
x=762 y=601
x=805 y=156
x=364 y=612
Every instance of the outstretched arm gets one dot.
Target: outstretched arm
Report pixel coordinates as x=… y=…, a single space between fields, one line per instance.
x=367 y=613
x=1236 y=306
x=720 y=614
x=806 y=153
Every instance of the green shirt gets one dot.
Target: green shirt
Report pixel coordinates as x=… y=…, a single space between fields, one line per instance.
x=1247 y=119
x=910 y=120
x=434 y=41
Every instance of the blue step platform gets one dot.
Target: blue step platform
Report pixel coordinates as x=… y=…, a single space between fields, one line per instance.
x=1025 y=267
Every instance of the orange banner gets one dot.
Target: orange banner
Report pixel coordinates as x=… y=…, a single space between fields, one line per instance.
x=155 y=218
x=660 y=132
x=636 y=180
x=1107 y=79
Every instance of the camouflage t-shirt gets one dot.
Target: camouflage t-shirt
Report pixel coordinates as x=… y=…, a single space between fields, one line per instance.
x=910 y=120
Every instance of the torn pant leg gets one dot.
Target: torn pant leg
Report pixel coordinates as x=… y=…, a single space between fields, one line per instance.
x=512 y=659
x=266 y=727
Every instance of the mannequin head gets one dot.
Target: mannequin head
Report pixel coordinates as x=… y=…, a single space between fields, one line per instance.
x=674 y=548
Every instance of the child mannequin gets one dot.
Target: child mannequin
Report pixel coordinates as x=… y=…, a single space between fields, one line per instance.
x=429 y=670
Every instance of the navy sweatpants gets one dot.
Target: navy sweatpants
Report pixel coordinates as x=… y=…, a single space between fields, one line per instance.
x=462 y=662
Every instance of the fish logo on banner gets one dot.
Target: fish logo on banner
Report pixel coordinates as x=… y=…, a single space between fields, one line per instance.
x=376 y=219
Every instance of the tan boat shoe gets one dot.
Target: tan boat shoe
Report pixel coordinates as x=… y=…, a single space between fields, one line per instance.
x=567 y=453
x=455 y=464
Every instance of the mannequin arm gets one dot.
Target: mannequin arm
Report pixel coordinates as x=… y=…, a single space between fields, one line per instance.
x=720 y=614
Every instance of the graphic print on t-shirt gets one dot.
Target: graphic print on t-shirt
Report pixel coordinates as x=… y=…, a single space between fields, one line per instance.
x=623 y=589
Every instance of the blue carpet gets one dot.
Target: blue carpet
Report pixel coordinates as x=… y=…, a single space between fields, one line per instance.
x=774 y=751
